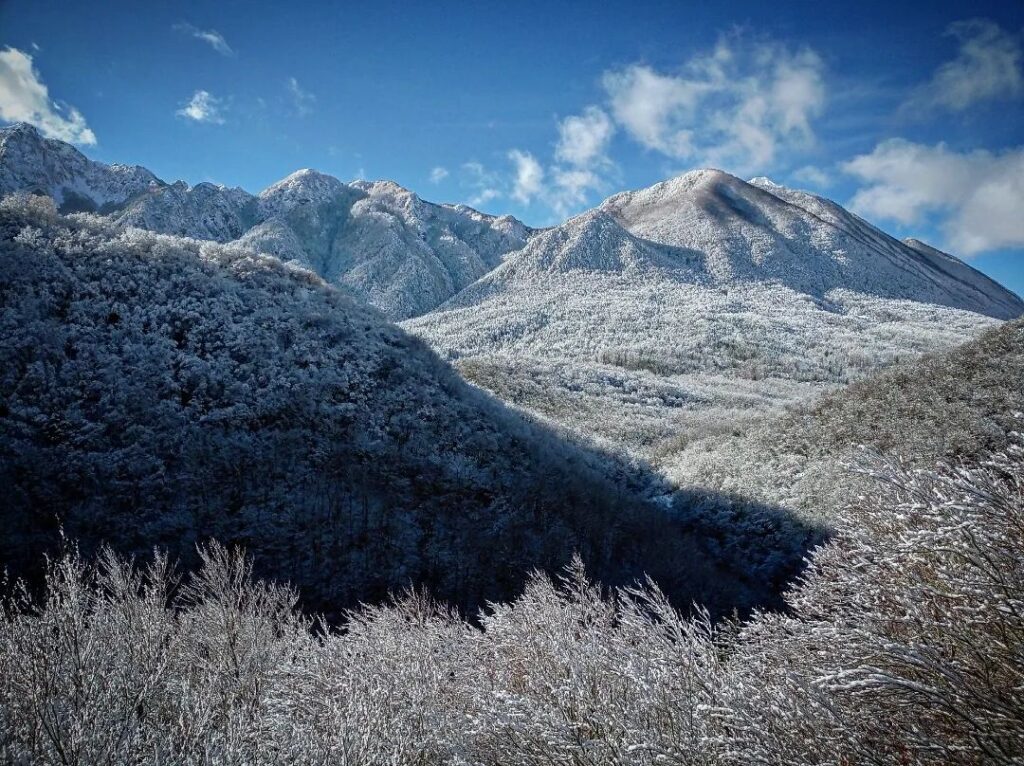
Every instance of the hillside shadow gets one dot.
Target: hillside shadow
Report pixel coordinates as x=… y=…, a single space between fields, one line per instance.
x=377 y=467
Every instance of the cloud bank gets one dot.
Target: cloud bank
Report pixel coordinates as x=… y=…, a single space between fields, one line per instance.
x=740 y=107
x=737 y=107
x=977 y=196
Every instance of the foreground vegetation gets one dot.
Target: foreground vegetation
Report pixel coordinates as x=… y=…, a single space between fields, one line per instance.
x=902 y=645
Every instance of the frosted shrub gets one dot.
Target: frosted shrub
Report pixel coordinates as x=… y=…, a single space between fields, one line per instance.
x=571 y=677
x=901 y=646
x=906 y=642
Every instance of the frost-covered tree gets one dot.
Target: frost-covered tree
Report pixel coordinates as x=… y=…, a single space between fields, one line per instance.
x=160 y=391
x=902 y=645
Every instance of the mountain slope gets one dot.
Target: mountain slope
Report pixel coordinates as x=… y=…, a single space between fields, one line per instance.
x=762 y=231
x=157 y=391
x=31 y=163
x=701 y=301
x=960 y=404
x=403 y=255
x=382 y=242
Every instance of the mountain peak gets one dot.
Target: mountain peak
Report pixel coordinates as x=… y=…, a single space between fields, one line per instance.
x=304 y=177
x=20 y=130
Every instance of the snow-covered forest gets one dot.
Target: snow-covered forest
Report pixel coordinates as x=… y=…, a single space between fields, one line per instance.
x=160 y=391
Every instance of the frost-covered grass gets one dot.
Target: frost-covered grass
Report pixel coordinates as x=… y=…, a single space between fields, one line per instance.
x=902 y=646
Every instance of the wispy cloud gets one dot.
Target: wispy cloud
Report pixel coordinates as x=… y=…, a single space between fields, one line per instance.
x=301 y=99
x=738 y=106
x=988 y=66
x=203 y=107
x=483 y=185
x=580 y=164
x=211 y=37
x=741 y=106
x=583 y=139
x=25 y=98
x=438 y=174
x=528 y=180
x=975 y=197
x=812 y=176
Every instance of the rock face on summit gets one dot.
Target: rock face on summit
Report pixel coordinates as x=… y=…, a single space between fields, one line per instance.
x=391 y=249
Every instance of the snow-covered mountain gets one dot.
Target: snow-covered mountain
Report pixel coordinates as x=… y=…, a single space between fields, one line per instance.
x=701 y=299
x=403 y=255
x=31 y=163
x=158 y=391
x=397 y=252
x=760 y=231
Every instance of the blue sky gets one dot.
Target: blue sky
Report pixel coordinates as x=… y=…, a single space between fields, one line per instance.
x=914 y=116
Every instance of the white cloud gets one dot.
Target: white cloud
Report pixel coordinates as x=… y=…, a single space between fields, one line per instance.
x=571 y=187
x=25 y=98
x=203 y=107
x=977 y=197
x=303 y=100
x=438 y=174
x=484 y=185
x=813 y=176
x=987 y=66
x=484 y=196
x=211 y=37
x=528 y=182
x=583 y=139
x=655 y=109
x=736 y=107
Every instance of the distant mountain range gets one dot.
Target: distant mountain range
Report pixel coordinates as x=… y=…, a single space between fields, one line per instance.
x=399 y=253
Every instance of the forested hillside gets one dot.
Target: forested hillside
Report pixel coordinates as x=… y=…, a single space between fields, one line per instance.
x=954 y=405
x=159 y=392
x=901 y=646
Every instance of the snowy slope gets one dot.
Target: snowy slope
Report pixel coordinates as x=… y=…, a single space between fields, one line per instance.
x=703 y=298
x=203 y=211
x=764 y=232
x=404 y=255
x=383 y=243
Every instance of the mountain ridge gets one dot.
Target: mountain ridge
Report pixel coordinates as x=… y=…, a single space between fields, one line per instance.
x=380 y=241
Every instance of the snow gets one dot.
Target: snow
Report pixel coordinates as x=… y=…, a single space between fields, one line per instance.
x=29 y=162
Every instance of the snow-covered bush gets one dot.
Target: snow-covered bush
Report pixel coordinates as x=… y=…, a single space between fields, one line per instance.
x=902 y=645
